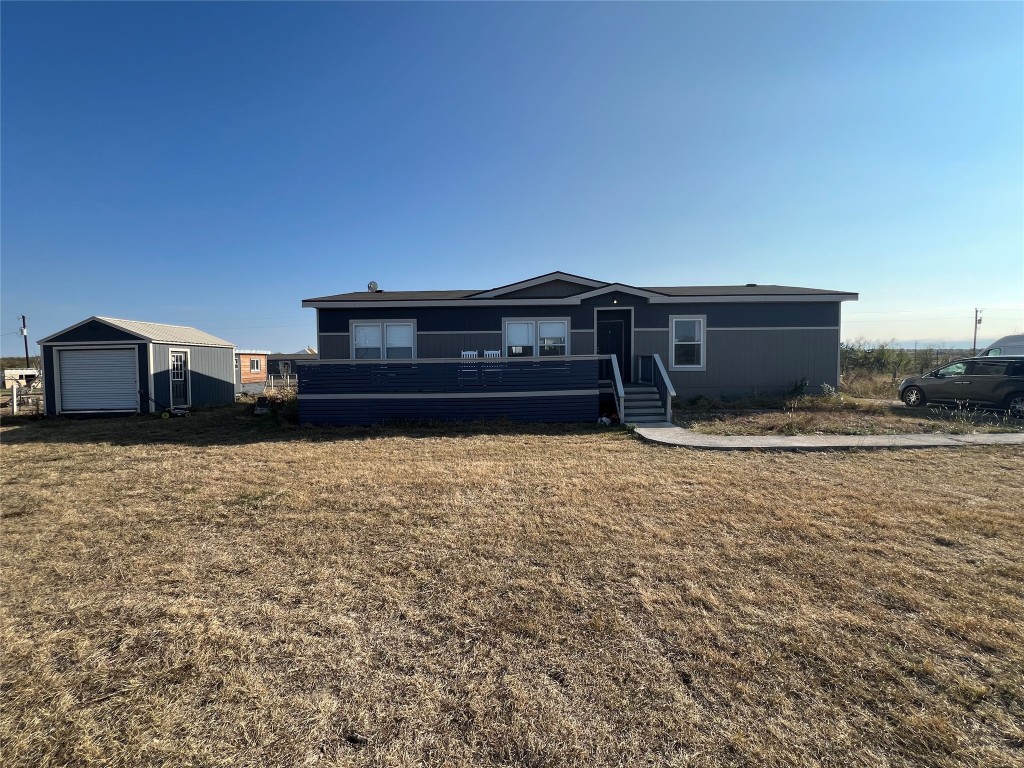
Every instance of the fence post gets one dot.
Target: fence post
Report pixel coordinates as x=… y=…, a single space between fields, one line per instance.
x=14 y=398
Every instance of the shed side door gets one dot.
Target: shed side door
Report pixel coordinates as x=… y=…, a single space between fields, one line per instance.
x=98 y=380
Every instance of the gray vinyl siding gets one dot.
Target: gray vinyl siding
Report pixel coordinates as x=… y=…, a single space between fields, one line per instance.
x=488 y=319
x=334 y=346
x=751 y=346
x=443 y=345
x=211 y=374
x=582 y=343
x=651 y=343
x=484 y=319
x=552 y=289
x=746 y=361
x=770 y=314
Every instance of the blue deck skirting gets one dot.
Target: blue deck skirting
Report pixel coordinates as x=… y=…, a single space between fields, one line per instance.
x=559 y=390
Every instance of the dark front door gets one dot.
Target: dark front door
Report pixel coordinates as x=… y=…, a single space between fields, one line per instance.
x=614 y=337
x=179 y=378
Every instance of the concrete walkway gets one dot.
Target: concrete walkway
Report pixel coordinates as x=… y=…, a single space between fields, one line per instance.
x=665 y=433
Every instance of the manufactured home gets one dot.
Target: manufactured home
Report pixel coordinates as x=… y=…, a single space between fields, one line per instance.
x=561 y=347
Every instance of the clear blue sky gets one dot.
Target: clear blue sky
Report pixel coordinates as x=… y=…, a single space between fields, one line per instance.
x=214 y=164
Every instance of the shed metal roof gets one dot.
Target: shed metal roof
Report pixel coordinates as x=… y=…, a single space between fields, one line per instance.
x=159 y=333
x=167 y=334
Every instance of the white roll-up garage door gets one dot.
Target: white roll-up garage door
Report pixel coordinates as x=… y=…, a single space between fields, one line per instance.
x=98 y=380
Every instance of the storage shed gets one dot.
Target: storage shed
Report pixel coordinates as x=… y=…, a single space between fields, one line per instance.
x=106 y=365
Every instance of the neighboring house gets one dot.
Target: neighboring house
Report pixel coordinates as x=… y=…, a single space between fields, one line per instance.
x=105 y=365
x=542 y=349
x=284 y=364
x=22 y=377
x=250 y=370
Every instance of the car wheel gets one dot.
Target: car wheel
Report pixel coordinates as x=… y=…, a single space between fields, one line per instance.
x=913 y=397
x=1015 y=405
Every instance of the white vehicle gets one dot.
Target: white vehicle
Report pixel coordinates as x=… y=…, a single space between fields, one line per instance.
x=1008 y=345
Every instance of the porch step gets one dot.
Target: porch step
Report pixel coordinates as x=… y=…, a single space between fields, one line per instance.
x=643 y=405
x=642 y=399
x=644 y=419
x=643 y=410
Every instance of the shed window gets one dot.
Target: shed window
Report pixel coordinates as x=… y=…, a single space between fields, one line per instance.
x=687 y=342
x=254 y=365
x=532 y=338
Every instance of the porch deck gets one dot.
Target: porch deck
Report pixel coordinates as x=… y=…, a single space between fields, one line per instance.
x=546 y=389
x=534 y=389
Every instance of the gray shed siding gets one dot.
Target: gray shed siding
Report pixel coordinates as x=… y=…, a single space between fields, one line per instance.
x=93 y=331
x=211 y=374
x=48 y=355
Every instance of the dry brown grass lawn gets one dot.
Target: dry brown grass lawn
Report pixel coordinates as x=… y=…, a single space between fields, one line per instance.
x=217 y=591
x=839 y=415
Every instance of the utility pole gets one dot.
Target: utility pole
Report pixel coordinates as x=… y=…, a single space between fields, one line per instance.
x=977 y=322
x=24 y=336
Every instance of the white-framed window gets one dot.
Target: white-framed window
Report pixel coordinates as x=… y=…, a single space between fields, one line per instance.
x=254 y=365
x=543 y=337
x=177 y=366
x=687 y=334
x=383 y=340
x=398 y=341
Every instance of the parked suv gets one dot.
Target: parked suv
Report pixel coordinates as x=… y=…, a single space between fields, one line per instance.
x=987 y=382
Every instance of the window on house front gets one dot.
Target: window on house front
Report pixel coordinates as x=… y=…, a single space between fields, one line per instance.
x=398 y=338
x=384 y=340
x=532 y=338
x=367 y=341
x=519 y=339
x=254 y=365
x=552 y=335
x=687 y=342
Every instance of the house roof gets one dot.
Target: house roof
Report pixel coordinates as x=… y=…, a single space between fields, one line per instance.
x=159 y=333
x=397 y=296
x=587 y=288
x=742 y=290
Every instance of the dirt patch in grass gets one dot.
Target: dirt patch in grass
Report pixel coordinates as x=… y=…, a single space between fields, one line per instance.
x=222 y=590
x=835 y=415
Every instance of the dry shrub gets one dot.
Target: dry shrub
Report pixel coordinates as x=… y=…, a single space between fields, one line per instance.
x=878 y=386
